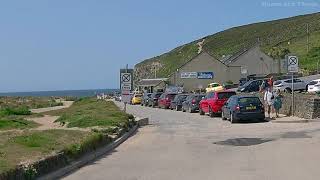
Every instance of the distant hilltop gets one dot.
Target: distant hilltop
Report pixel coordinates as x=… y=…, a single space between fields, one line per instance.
x=299 y=35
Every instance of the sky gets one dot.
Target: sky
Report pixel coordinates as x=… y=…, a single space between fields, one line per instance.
x=82 y=44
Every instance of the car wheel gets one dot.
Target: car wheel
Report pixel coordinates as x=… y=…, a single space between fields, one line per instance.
x=201 y=112
x=177 y=108
x=183 y=110
x=223 y=117
x=232 y=120
x=211 y=113
x=190 y=110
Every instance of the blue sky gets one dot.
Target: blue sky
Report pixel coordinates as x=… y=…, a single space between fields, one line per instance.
x=78 y=44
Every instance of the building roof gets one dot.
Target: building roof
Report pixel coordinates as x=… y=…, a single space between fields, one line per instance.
x=151 y=82
x=235 y=57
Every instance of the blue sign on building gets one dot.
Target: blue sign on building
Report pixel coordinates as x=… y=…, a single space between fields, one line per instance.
x=205 y=75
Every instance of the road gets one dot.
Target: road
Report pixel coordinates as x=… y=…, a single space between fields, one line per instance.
x=188 y=146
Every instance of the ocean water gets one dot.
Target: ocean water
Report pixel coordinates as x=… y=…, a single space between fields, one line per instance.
x=73 y=93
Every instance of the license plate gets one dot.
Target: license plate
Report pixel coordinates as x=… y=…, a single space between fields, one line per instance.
x=251 y=108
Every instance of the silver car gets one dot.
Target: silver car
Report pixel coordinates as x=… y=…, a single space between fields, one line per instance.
x=286 y=85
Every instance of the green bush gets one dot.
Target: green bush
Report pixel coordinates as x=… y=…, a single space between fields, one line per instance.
x=15 y=111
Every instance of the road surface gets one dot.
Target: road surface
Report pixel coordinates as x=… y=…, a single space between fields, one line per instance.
x=188 y=146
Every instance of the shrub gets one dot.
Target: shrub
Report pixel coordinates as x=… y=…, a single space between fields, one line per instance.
x=15 y=111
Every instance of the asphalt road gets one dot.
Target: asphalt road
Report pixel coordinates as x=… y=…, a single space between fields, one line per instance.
x=188 y=146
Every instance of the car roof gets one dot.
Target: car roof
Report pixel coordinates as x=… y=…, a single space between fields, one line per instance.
x=245 y=96
x=225 y=91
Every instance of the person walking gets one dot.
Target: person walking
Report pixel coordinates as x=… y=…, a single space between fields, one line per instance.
x=269 y=101
x=277 y=102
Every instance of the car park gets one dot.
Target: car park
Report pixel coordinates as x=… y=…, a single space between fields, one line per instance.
x=191 y=104
x=314 y=86
x=241 y=107
x=153 y=100
x=214 y=87
x=145 y=99
x=251 y=86
x=165 y=99
x=176 y=103
x=213 y=102
x=136 y=99
x=286 y=85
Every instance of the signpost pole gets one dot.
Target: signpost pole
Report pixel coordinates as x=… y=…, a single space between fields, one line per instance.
x=125 y=103
x=292 y=101
x=293 y=67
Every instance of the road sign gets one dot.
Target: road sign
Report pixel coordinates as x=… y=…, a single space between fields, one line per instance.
x=293 y=64
x=126 y=87
x=126 y=81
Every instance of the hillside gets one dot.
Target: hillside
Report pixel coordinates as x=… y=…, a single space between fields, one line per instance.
x=290 y=33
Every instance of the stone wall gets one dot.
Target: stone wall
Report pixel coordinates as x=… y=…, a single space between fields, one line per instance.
x=306 y=105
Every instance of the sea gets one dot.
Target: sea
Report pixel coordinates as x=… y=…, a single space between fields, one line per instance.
x=62 y=93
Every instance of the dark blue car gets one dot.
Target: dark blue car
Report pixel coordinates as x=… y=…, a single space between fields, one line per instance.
x=176 y=103
x=241 y=107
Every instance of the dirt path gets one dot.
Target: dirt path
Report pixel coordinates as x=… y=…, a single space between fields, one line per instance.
x=66 y=104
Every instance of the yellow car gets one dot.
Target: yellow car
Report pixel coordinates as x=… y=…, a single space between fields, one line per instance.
x=214 y=87
x=137 y=98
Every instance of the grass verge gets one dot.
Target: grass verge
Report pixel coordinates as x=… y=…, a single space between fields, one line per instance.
x=89 y=112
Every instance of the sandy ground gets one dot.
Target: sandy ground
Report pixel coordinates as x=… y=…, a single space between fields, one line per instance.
x=66 y=104
x=48 y=122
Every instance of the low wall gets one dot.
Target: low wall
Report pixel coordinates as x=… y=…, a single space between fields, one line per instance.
x=307 y=106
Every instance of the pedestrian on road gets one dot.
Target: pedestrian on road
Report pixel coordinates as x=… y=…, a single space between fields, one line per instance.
x=269 y=101
x=278 y=102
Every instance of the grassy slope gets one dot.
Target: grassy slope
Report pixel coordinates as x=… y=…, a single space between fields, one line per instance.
x=28 y=145
x=91 y=112
x=16 y=147
x=273 y=33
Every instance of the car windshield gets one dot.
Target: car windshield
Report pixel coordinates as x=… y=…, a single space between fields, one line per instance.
x=157 y=95
x=246 y=84
x=138 y=95
x=225 y=95
x=244 y=101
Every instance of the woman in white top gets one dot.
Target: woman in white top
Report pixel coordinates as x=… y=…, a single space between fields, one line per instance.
x=269 y=100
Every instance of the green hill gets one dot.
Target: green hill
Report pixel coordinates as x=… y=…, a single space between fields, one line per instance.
x=290 y=33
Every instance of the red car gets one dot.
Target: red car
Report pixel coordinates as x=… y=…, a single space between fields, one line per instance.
x=165 y=100
x=213 y=102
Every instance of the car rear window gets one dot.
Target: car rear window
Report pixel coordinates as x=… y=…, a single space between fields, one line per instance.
x=171 y=96
x=225 y=95
x=277 y=82
x=249 y=100
x=313 y=82
x=138 y=95
x=199 y=97
x=183 y=97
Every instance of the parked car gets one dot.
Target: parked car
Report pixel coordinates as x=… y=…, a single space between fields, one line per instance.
x=241 y=107
x=314 y=86
x=251 y=86
x=145 y=99
x=213 y=102
x=176 y=103
x=153 y=101
x=191 y=104
x=286 y=85
x=165 y=99
x=137 y=98
x=214 y=87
